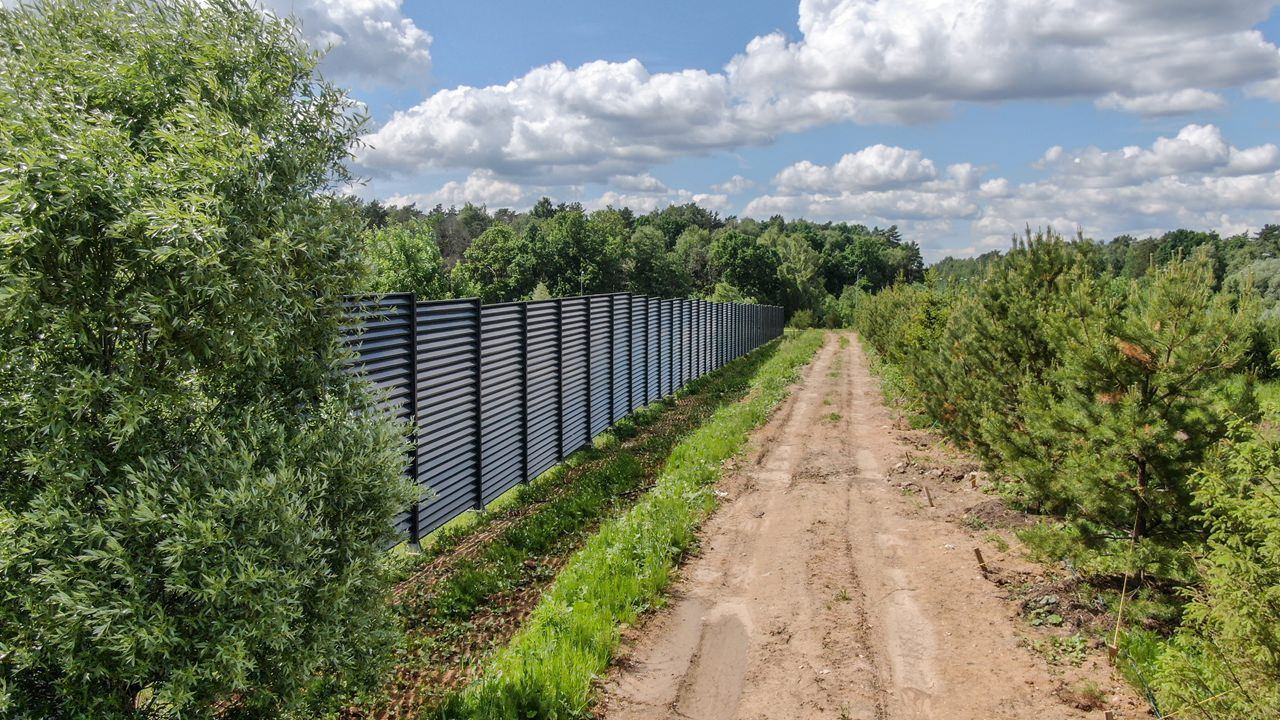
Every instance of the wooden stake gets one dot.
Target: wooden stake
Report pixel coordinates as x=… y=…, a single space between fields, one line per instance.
x=981 y=563
x=1108 y=715
x=928 y=496
x=973 y=481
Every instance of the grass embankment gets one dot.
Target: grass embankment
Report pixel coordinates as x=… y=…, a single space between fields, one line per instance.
x=548 y=669
x=467 y=592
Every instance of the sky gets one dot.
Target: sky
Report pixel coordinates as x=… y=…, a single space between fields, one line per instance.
x=961 y=121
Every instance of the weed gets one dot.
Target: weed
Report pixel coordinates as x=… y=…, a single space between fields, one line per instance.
x=1062 y=650
x=1084 y=695
x=998 y=541
x=832 y=417
x=1044 y=611
x=843 y=596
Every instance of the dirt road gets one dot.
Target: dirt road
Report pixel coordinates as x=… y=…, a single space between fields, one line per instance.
x=823 y=591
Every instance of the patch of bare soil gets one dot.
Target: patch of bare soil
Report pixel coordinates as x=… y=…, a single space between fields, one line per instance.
x=830 y=584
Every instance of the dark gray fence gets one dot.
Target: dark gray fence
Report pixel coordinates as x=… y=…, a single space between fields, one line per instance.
x=498 y=394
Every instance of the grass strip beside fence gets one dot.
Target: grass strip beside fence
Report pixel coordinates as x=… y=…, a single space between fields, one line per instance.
x=548 y=668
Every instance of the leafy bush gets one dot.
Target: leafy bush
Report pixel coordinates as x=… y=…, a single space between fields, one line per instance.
x=801 y=320
x=406 y=258
x=192 y=504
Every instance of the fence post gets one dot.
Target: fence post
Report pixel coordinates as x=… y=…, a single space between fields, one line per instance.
x=631 y=353
x=662 y=333
x=613 y=358
x=524 y=392
x=415 y=533
x=475 y=308
x=590 y=355
x=559 y=380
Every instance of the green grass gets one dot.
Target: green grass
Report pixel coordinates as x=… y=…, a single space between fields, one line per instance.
x=896 y=389
x=548 y=669
x=452 y=626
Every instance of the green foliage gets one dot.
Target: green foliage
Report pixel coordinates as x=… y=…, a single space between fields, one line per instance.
x=747 y=264
x=499 y=266
x=1099 y=382
x=724 y=292
x=405 y=258
x=650 y=269
x=1141 y=388
x=1228 y=648
x=1101 y=395
x=693 y=253
x=801 y=320
x=674 y=220
x=192 y=504
x=868 y=259
x=798 y=272
x=573 y=256
x=548 y=669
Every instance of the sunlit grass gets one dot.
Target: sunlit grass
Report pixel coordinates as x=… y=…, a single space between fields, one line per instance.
x=547 y=670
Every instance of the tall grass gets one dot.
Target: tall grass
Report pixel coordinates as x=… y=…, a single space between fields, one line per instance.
x=547 y=670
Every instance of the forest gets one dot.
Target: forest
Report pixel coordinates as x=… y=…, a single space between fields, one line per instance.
x=812 y=268
x=679 y=251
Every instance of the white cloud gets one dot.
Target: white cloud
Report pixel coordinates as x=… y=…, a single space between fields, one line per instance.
x=734 y=185
x=1178 y=102
x=872 y=168
x=864 y=61
x=644 y=183
x=481 y=187
x=591 y=122
x=1195 y=149
x=1145 y=56
x=367 y=40
x=1195 y=179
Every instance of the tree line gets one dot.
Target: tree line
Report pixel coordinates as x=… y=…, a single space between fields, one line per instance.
x=556 y=250
x=1112 y=386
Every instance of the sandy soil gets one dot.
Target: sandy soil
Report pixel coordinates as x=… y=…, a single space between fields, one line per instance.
x=825 y=589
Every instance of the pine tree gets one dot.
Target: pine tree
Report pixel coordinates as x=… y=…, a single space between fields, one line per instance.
x=995 y=343
x=1224 y=662
x=1144 y=386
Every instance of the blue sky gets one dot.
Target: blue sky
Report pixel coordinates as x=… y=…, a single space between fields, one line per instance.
x=959 y=120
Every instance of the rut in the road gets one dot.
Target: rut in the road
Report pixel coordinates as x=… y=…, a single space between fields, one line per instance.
x=821 y=592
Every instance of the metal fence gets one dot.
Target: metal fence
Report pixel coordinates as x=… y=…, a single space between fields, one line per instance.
x=498 y=394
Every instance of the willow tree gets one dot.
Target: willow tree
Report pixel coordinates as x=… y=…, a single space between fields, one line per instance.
x=192 y=499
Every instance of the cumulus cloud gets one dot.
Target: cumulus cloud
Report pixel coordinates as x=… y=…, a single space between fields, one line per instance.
x=1195 y=149
x=875 y=167
x=1178 y=102
x=734 y=185
x=863 y=61
x=367 y=40
x=481 y=187
x=586 y=123
x=1194 y=179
